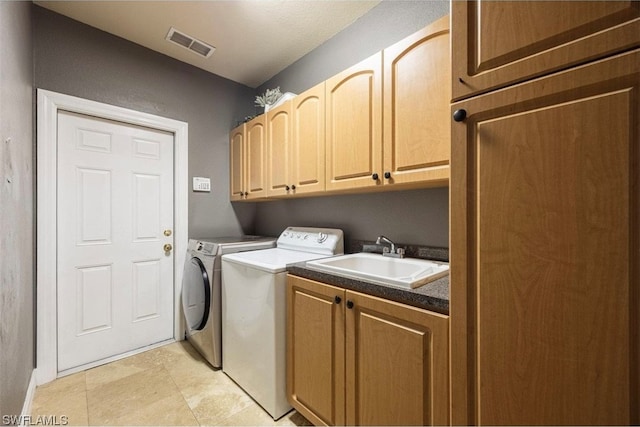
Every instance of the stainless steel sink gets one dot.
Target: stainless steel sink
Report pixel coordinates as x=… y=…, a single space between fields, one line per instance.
x=407 y=273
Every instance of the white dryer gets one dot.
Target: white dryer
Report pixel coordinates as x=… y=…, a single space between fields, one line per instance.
x=201 y=290
x=254 y=311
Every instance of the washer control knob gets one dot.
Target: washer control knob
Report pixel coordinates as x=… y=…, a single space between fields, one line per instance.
x=322 y=237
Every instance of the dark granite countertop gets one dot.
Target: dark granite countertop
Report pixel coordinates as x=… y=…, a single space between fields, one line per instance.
x=433 y=296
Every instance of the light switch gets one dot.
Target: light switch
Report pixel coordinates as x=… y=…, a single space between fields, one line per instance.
x=201 y=184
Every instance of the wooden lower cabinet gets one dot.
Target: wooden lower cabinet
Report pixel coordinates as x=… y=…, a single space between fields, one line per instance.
x=355 y=359
x=315 y=350
x=545 y=251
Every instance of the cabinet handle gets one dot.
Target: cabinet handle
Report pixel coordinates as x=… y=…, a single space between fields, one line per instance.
x=459 y=115
x=374 y=176
x=349 y=304
x=337 y=299
x=387 y=175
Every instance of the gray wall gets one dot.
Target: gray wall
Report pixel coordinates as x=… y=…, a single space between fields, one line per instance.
x=418 y=216
x=382 y=26
x=75 y=59
x=16 y=206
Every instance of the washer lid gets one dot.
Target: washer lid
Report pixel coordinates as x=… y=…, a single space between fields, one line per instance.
x=274 y=260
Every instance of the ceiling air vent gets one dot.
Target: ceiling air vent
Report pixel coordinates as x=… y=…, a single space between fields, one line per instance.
x=190 y=43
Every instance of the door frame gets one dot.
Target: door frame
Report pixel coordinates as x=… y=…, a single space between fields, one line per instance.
x=46 y=189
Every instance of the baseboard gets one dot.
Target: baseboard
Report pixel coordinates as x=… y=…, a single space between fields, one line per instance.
x=28 y=400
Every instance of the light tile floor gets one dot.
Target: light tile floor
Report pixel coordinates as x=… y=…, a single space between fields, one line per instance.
x=169 y=385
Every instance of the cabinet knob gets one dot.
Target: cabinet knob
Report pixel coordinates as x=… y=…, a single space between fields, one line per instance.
x=374 y=176
x=387 y=175
x=293 y=187
x=287 y=188
x=349 y=304
x=459 y=115
x=337 y=299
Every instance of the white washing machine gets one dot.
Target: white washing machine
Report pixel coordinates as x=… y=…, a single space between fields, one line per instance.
x=254 y=312
x=201 y=290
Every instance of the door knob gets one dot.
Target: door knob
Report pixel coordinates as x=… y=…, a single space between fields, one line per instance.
x=168 y=247
x=167 y=233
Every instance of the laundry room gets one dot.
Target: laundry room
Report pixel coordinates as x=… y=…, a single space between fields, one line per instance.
x=265 y=212
x=76 y=59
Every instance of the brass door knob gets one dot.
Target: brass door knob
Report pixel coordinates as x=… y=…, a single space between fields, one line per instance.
x=167 y=233
x=168 y=247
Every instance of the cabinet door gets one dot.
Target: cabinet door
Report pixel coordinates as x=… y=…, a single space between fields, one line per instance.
x=278 y=150
x=315 y=350
x=308 y=130
x=354 y=126
x=497 y=43
x=397 y=363
x=237 y=163
x=417 y=95
x=545 y=250
x=256 y=141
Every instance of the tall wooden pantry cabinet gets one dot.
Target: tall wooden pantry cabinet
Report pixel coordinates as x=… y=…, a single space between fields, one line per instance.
x=545 y=213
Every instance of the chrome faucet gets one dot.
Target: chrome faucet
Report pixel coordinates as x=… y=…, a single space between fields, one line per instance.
x=390 y=251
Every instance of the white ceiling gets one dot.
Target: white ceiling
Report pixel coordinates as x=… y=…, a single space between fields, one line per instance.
x=254 y=39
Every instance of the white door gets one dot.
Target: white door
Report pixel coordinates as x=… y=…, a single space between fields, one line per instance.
x=115 y=201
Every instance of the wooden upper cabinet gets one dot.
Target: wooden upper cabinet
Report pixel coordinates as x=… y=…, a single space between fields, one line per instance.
x=237 y=166
x=545 y=250
x=539 y=37
x=279 y=150
x=308 y=141
x=354 y=126
x=417 y=93
x=255 y=151
x=330 y=138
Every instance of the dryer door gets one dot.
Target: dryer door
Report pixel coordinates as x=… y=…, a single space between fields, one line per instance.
x=196 y=294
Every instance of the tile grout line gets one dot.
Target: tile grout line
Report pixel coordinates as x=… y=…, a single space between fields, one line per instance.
x=86 y=397
x=181 y=393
